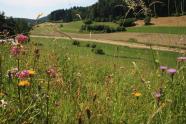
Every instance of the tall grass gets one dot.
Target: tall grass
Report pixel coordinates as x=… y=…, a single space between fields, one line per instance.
x=90 y=88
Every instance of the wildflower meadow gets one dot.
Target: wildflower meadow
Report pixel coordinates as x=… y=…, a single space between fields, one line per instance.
x=52 y=81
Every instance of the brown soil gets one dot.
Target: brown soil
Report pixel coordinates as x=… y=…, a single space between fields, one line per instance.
x=166 y=21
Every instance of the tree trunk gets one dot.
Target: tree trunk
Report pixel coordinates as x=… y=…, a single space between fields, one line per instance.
x=176 y=9
x=182 y=12
x=168 y=7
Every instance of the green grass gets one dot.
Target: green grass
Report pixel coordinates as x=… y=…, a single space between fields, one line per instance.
x=91 y=88
x=158 y=29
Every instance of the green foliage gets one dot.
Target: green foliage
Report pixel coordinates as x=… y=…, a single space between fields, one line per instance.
x=99 y=51
x=93 y=46
x=87 y=22
x=127 y=22
x=76 y=43
x=101 y=28
x=21 y=26
x=13 y=26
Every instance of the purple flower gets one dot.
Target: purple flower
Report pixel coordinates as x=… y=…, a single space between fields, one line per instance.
x=163 y=68
x=23 y=74
x=181 y=59
x=171 y=71
x=157 y=95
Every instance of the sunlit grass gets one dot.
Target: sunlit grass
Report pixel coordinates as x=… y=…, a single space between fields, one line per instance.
x=158 y=29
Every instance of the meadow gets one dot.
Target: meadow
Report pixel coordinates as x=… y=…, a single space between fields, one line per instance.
x=72 y=84
x=74 y=27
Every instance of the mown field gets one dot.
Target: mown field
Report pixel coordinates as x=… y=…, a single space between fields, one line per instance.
x=158 y=29
x=120 y=86
x=74 y=27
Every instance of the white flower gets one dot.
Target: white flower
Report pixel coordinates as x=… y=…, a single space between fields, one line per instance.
x=3 y=103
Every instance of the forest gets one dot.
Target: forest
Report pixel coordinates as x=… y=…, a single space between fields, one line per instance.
x=110 y=10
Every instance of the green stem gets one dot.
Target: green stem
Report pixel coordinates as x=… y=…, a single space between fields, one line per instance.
x=19 y=92
x=1 y=78
x=48 y=88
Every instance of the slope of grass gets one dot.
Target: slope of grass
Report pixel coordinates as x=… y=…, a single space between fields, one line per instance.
x=158 y=29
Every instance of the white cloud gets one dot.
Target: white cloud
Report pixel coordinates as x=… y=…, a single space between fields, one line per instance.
x=42 y=3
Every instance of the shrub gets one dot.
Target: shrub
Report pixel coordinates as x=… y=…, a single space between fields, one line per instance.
x=127 y=22
x=61 y=25
x=88 y=45
x=87 y=22
x=76 y=43
x=101 y=28
x=120 y=28
x=93 y=46
x=147 y=20
x=99 y=51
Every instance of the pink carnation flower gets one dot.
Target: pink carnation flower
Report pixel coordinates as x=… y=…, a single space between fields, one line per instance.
x=15 y=50
x=21 y=38
x=23 y=74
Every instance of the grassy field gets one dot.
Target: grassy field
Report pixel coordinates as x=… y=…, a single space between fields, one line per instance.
x=120 y=86
x=74 y=27
x=158 y=29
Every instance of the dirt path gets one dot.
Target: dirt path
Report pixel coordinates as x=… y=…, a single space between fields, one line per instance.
x=121 y=43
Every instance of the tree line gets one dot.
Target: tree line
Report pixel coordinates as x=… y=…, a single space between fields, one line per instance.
x=13 y=25
x=110 y=10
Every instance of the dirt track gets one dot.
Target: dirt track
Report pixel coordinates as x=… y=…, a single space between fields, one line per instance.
x=131 y=45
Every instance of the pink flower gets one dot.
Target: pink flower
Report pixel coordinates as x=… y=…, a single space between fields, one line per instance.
x=181 y=59
x=23 y=74
x=171 y=71
x=15 y=50
x=21 y=38
x=51 y=72
x=163 y=68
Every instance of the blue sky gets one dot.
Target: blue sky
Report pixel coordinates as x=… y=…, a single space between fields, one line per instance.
x=31 y=8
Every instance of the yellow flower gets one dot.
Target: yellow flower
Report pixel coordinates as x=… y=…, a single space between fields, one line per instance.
x=2 y=94
x=137 y=94
x=31 y=72
x=23 y=83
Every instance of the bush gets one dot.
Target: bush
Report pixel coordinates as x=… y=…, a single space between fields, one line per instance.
x=99 y=51
x=88 y=45
x=119 y=28
x=93 y=46
x=127 y=22
x=147 y=20
x=76 y=43
x=61 y=25
x=101 y=28
x=87 y=22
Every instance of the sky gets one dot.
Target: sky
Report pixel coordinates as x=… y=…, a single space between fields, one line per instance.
x=31 y=8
